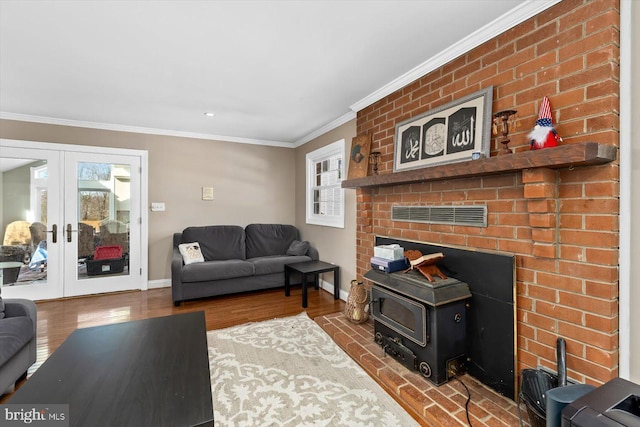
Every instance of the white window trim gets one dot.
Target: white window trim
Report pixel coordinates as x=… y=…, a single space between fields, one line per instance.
x=311 y=159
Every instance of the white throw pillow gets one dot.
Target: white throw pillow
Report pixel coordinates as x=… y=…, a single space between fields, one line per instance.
x=191 y=252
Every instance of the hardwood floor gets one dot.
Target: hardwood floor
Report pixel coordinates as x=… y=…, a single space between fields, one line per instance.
x=57 y=319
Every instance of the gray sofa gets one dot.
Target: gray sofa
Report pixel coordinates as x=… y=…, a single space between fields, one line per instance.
x=236 y=259
x=18 y=322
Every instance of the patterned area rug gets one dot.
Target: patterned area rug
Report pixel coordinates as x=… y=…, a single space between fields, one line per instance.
x=289 y=372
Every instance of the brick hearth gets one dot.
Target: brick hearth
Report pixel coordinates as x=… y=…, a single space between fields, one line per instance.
x=430 y=405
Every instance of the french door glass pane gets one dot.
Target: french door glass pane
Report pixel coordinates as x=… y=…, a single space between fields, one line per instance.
x=104 y=204
x=23 y=193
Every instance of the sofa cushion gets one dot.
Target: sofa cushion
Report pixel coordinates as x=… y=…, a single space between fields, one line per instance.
x=1 y=308
x=269 y=239
x=217 y=242
x=275 y=263
x=15 y=333
x=216 y=270
x=298 y=248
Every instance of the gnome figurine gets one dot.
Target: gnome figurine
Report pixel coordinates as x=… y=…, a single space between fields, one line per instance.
x=544 y=134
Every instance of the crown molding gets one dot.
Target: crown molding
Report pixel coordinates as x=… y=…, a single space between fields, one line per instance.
x=138 y=129
x=326 y=128
x=499 y=25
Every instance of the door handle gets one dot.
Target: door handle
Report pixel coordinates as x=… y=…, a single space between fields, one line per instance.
x=54 y=233
x=69 y=230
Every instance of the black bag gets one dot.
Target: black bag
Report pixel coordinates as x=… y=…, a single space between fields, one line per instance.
x=534 y=385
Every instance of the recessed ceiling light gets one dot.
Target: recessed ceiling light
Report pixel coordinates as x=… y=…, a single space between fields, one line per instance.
x=209 y=114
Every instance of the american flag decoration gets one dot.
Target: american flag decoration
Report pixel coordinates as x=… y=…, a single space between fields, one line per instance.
x=544 y=135
x=544 y=116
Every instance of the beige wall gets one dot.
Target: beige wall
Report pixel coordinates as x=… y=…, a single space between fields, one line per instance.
x=252 y=183
x=336 y=245
x=16 y=195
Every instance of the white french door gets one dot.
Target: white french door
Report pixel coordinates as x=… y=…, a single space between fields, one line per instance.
x=101 y=223
x=31 y=194
x=90 y=200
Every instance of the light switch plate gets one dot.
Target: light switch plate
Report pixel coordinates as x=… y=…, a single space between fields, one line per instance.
x=157 y=207
x=207 y=193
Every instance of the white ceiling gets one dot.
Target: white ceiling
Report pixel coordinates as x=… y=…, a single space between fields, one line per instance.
x=273 y=72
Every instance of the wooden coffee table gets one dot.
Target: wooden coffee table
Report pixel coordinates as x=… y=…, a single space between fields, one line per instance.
x=313 y=268
x=152 y=372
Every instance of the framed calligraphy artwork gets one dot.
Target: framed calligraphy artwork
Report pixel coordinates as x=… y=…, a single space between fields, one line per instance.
x=450 y=133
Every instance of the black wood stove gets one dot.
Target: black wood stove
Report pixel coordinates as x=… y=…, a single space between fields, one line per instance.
x=422 y=324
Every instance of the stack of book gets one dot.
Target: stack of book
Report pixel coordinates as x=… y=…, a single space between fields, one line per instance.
x=389 y=258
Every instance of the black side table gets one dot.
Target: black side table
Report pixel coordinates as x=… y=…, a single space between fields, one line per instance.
x=311 y=267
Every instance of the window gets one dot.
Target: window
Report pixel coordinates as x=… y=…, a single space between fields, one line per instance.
x=38 y=194
x=325 y=196
x=103 y=192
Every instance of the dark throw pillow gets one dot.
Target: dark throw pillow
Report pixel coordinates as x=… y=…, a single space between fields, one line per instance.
x=298 y=248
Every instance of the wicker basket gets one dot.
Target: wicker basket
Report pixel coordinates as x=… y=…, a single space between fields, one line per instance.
x=356 y=307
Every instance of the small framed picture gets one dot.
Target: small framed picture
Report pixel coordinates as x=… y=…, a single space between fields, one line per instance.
x=359 y=156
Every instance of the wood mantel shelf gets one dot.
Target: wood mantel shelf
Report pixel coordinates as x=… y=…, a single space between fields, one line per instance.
x=563 y=156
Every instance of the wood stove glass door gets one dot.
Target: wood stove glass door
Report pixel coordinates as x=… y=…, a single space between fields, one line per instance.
x=403 y=315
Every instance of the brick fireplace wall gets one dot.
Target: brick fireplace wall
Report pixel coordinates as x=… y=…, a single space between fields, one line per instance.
x=562 y=224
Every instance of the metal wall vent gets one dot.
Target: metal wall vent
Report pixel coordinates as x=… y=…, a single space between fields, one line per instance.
x=474 y=216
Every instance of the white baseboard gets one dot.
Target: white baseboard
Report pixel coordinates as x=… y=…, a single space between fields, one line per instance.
x=162 y=283
x=329 y=288
x=166 y=283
